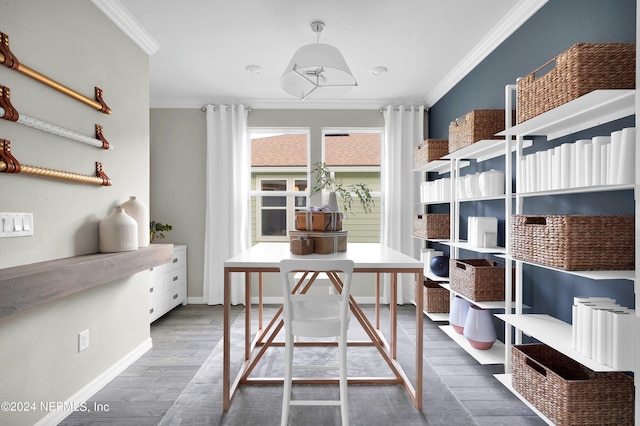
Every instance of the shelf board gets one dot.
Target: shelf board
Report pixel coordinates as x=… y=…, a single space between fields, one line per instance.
x=499 y=304
x=552 y=332
x=489 y=198
x=466 y=246
x=505 y=379
x=439 y=166
x=483 y=150
x=437 y=317
x=593 y=275
x=594 y=108
x=495 y=355
x=580 y=190
x=436 y=278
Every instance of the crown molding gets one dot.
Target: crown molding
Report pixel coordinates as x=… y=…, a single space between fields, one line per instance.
x=507 y=26
x=129 y=25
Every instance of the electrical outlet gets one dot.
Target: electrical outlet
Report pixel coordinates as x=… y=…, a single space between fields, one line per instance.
x=83 y=340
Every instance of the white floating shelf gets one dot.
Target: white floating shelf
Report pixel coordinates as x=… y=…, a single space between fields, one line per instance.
x=580 y=190
x=495 y=355
x=593 y=275
x=499 y=304
x=439 y=166
x=437 y=317
x=434 y=277
x=466 y=246
x=552 y=332
x=594 y=108
x=489 y=198
x=483 y=150
x=506 y=379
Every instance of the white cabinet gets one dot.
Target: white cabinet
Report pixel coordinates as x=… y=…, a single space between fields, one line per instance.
x=168 y=284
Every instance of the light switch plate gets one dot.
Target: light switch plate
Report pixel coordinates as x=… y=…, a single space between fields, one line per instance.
x=16 y=225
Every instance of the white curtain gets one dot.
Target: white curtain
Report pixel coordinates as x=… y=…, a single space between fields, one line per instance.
x=403 y=130
x=228 y=206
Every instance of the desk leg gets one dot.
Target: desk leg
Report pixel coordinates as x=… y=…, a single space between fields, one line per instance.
x=393 y=308
x=419 y=338
x=378 y=301
x=226 y=369
x=247 y=316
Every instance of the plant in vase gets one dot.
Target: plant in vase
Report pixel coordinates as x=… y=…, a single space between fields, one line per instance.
x=158 y=229
x=325 y=180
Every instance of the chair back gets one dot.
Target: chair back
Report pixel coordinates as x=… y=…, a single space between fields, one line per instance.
x=316 y=315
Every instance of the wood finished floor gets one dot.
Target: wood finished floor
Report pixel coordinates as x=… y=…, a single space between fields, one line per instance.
x=155 y=389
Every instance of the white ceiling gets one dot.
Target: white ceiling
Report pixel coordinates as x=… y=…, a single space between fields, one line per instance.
x=199 y=48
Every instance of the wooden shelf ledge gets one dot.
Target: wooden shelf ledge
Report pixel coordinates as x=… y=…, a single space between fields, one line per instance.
x=23 y=287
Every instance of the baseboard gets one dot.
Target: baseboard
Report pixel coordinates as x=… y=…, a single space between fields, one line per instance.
x=196 y=301
x=76 y=400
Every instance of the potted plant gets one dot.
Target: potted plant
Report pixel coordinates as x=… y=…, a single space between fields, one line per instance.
x=325 y=180
x=158 y=229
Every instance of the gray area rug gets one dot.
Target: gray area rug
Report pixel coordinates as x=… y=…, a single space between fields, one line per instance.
x=201 y=401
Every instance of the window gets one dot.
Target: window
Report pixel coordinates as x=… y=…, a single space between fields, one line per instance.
x=279 y=171
x=276 y=213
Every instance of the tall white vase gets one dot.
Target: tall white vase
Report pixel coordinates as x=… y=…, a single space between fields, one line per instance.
x=140 y=213
x=118 y=232
x=333 y=202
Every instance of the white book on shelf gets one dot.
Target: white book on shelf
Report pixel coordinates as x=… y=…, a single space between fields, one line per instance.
x=623 y=339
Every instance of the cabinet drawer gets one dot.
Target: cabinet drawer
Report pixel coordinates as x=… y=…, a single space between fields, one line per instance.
x=174 y=279
x=156 y=308
x=175 y=298
x=156 y=271
x=179 y=259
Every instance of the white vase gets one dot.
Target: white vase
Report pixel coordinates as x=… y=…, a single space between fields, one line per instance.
x=479 y=329
x=458 y=313
x=333 y=202
x=140 y=213
x=118 y=232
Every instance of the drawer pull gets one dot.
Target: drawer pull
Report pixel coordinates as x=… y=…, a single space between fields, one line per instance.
x=175 y=296
x=175 y=260
x=151 y=290
x=151 y=311
x=175 y=278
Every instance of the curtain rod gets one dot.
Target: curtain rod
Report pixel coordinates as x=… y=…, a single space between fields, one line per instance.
x=215 y=108
x=381 y=109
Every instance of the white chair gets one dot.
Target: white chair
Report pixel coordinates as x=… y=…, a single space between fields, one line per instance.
x=316 y=315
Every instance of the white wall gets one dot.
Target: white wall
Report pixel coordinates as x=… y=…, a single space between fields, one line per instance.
x=74 y=43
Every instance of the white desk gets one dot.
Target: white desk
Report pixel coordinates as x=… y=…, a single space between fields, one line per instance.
x=369 y=258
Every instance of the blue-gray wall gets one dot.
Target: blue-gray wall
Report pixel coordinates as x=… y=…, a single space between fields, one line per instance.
x=553 y=29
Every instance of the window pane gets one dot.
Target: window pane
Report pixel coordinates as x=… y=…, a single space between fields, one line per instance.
x=274 y=222
x=274 y=185
x=300 y=185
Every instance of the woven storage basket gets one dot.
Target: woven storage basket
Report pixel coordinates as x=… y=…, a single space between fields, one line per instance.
x=435 y=298
x=575 y=242
x=475 y=126
x=569 y=393
x=433 y=226
x=429 y=150
x=583 y=68
x=480 y=280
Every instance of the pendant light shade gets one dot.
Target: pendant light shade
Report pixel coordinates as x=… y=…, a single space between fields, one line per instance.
x=317 y=71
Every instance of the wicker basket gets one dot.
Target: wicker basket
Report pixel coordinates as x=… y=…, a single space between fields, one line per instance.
x=475 y=126
x=431 y=226
x=575 y=242
x=480 y=280
x=429 y=150
x=569 y=393
x=435 y=298
x=583 y=68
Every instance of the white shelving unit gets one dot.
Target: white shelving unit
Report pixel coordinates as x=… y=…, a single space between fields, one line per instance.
x=593 y=109
x=452 y=163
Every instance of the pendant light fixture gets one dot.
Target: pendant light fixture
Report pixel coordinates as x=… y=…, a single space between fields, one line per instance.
x=317 y=71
